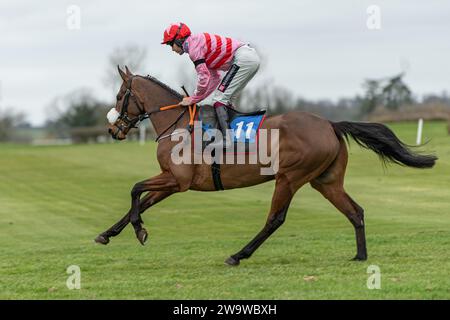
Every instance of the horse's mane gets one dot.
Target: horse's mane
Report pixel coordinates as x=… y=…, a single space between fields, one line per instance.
x=164 y=86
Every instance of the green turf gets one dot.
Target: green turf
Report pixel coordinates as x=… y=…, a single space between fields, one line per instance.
x=55 y=200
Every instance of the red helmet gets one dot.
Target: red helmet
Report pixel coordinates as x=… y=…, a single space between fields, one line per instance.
x=176 y=31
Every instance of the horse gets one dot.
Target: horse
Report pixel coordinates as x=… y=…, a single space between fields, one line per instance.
x=311 y=150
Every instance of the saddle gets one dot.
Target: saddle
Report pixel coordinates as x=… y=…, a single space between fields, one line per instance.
x=245 y=125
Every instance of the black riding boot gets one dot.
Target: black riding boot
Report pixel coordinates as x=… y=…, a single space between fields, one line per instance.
x=222 y=117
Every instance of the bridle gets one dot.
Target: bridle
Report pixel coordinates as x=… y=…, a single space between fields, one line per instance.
x=126 y=123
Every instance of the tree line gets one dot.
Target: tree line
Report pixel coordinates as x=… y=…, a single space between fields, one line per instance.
x=81 y=117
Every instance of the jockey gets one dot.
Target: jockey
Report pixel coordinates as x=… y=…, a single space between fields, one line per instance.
x=212 y=54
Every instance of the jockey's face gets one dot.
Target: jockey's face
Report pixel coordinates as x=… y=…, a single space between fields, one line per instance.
x=177 y=49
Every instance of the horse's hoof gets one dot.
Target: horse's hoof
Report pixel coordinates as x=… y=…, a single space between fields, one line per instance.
x=142 y=236
x=359 y=258
x=102 y=239
x=232 y=261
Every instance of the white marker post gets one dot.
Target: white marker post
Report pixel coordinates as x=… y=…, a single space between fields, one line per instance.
x=419 y=132
x=142 y=134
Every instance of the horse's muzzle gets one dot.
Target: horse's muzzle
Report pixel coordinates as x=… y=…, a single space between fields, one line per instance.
x=116 y=134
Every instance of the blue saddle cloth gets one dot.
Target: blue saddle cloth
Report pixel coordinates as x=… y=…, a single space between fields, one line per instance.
x=244 y=125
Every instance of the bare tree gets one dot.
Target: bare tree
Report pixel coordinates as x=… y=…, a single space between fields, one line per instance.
x=390 y=92
x=77 y=109
x=132 y=56
x=396 y=93
x=372 y=97
x=9 y=122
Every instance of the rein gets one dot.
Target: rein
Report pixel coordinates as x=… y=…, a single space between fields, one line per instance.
x=192 y=111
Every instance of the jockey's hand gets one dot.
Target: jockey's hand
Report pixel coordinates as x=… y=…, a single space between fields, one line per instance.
x=187 y=101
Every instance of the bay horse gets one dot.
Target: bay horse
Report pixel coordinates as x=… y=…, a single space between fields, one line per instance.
x=311 y=150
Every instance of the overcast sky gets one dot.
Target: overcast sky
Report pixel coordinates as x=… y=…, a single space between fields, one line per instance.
x=317 y=49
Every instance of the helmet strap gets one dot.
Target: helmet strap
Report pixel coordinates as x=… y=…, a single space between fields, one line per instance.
x=179 y=42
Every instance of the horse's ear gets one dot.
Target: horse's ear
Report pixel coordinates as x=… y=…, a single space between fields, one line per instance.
x=122 y=74
x=128 y=71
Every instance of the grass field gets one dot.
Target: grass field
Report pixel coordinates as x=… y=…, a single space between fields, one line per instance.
x=55 y=200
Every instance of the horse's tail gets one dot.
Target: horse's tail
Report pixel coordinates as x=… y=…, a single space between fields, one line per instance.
x=380 y=139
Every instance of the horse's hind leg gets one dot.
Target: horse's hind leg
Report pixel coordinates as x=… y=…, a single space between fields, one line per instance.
x=146 y=202
x=331 y=185
x=354 y=213
x=280 y=204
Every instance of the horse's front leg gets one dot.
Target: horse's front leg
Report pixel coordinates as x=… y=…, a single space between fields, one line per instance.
x=164 y=182
x=146 y=202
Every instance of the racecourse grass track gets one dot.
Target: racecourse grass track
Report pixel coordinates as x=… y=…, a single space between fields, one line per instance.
x=55 y=200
